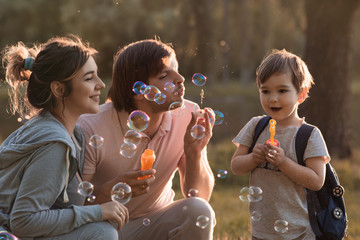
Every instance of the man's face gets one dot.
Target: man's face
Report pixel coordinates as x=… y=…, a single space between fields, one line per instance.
x=170 y=83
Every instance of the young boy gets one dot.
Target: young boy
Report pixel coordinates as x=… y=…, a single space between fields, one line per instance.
x=283 y=80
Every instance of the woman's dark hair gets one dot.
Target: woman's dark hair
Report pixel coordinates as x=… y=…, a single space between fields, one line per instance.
x=137 y=61
x=30 y=71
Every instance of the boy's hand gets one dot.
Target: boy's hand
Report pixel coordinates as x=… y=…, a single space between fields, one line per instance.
x=275 y=155
x=259 y=153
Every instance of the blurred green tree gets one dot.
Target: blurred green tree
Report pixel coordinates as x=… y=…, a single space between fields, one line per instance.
x=328 y=54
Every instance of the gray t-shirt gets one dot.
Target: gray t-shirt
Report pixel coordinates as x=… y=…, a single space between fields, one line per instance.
x=282 y=199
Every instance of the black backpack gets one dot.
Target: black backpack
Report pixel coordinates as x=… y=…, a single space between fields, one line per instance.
x=326 y=207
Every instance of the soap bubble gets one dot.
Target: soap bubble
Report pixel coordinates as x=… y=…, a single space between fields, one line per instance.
x=127 y=149
x=85 y=188
x=198 y=131
x=198 y=79
x=139 y=87
x=96 y=141
x=222 y=173
x=255 y=194
x=160 y=98
x=176 y=105
x=146 y=221
x=7 y=236
x=192 y=192
x=150 y=92
x=121 y=192
x=138 y=120
x=133 y=137
x=245 y=194
x=202 y=221
x=255 y=216
x=281 y=226
x=169 y=87
x=219 y=117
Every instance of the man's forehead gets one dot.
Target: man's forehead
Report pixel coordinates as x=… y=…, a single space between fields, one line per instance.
x=170 y=62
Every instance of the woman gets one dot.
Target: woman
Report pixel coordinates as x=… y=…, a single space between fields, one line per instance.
x=40 y=162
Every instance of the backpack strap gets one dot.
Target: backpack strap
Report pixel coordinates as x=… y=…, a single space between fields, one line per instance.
x=301 y=141
x=263 y=122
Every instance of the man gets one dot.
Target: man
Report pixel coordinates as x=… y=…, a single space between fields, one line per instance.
x=169 y=135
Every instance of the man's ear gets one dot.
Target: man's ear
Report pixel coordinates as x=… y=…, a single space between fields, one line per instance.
x=58 y=89
x=303 y=95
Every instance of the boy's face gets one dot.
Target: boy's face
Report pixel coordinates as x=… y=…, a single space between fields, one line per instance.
x=279 y=98
x=170 y=82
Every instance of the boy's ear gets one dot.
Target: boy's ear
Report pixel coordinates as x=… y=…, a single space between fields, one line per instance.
x=57 y=89
x=303 y=95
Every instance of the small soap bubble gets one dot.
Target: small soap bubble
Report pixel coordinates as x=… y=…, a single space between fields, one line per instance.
x=198 y=79
x=222 y=173
x=4 y=235
x=219 y=117
x=160 y=98
x=146 y=222
x=198 y=131
x=138 y=120
x=202 y=221
x=255 y=194
x=281 y=226
x=150 y=92
x=169 y=87
x=128 y=149
x=133 y=137
x=139 y=87
x=245 y=194
x=175 y=105
x=91 y=198
x=96 y=141
x=121 y=192
x=85 y=188
x=192 y=192
x=255 y=216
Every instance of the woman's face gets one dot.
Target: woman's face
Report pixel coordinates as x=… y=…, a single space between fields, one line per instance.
x=85 y=91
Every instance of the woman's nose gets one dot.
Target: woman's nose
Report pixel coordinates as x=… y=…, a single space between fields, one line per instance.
x=100 y=84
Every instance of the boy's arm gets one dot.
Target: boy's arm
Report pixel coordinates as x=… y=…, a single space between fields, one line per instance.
x=243 y=162
x=311 y=176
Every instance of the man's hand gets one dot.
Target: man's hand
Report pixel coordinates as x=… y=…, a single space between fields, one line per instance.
x=138 y=187
x=207 y=121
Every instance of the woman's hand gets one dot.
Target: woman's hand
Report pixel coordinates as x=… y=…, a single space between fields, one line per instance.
x=115 y=212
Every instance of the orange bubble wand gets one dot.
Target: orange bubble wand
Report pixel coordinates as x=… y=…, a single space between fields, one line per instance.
x=272 y=141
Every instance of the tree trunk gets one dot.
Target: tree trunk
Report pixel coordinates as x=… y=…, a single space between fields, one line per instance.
x=327 y=54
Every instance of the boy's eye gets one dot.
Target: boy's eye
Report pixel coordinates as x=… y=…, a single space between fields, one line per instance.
x=163 y=76
x=264 y=91
x=283 y=90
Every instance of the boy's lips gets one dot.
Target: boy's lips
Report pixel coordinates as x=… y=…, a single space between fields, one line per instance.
x=275 y=109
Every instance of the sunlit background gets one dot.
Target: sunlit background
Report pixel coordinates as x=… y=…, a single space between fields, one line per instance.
x=223 y=39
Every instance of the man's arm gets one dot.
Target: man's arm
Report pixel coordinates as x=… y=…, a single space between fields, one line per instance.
x=194 y=168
